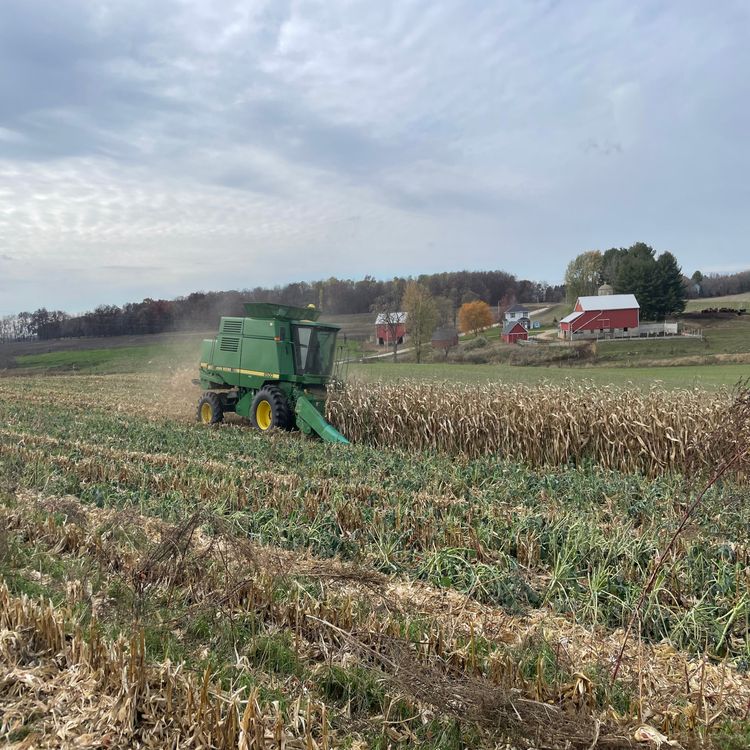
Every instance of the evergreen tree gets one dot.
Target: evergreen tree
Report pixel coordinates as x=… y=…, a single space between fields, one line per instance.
x=671 y=298
x=611 y=264
x=656 y=282
x=635 y=275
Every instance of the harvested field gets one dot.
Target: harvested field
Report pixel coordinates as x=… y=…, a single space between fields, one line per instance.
x=328 y=596
x=78 y=690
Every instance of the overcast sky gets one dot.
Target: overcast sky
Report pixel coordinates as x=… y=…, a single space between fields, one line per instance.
x=157 y=147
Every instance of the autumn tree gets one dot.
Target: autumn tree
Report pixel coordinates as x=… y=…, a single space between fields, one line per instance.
x=583 y=275
x=446 y=311
x=421 y=315
x=473 y=316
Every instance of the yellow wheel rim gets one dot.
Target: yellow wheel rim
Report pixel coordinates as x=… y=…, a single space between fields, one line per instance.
x=206 y=413
x=263 y=415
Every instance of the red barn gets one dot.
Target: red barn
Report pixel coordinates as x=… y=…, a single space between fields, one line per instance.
x=390 y=327
x=602 y=316
x=514 y=331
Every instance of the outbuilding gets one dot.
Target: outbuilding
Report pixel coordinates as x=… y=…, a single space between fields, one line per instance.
x=445 y=339
x=390 y=327
x=514 y=331
x=602 y=316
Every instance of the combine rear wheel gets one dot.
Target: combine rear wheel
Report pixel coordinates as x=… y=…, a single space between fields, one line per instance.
x=210 y=410
x=270 y=409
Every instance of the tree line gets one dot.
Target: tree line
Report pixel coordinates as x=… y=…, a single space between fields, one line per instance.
x=657 y=282
x=201 y=310
x=718 y=284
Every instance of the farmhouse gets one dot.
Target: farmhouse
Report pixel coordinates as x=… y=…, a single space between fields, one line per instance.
x=517 y=312
x=605 y=315
x=514 y=331
x=390 y=327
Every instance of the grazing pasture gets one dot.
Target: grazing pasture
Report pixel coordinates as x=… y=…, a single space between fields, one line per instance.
x=735 y=301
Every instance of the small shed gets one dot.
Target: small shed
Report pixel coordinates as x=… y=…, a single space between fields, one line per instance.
x=514 y=331
x=444 y=338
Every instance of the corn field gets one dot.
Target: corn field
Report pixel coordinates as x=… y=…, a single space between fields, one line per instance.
x=164 y=584
x=543 y=425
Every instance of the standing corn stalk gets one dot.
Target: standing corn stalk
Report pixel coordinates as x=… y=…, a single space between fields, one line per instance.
x=650 y=432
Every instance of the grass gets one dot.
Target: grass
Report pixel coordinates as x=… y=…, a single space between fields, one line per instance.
x=720 y=337
x=620 y=362
x=117 y=359
x=735 y=301
x=555 y=312
x=705 y=376
x=618 y=370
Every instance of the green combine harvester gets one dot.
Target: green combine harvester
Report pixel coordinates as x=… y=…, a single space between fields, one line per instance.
x=271 y=367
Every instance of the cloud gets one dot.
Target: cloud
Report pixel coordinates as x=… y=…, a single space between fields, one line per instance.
x=228 y=142
x=605 y=148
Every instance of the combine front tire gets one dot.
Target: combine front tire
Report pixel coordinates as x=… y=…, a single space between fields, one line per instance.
x=210 y=410
x=270 y=409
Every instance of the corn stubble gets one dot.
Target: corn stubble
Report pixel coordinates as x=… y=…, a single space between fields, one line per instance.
x=140 y=702
x=86 y=692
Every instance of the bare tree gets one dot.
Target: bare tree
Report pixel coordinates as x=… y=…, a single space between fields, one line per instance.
x=386 y=306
